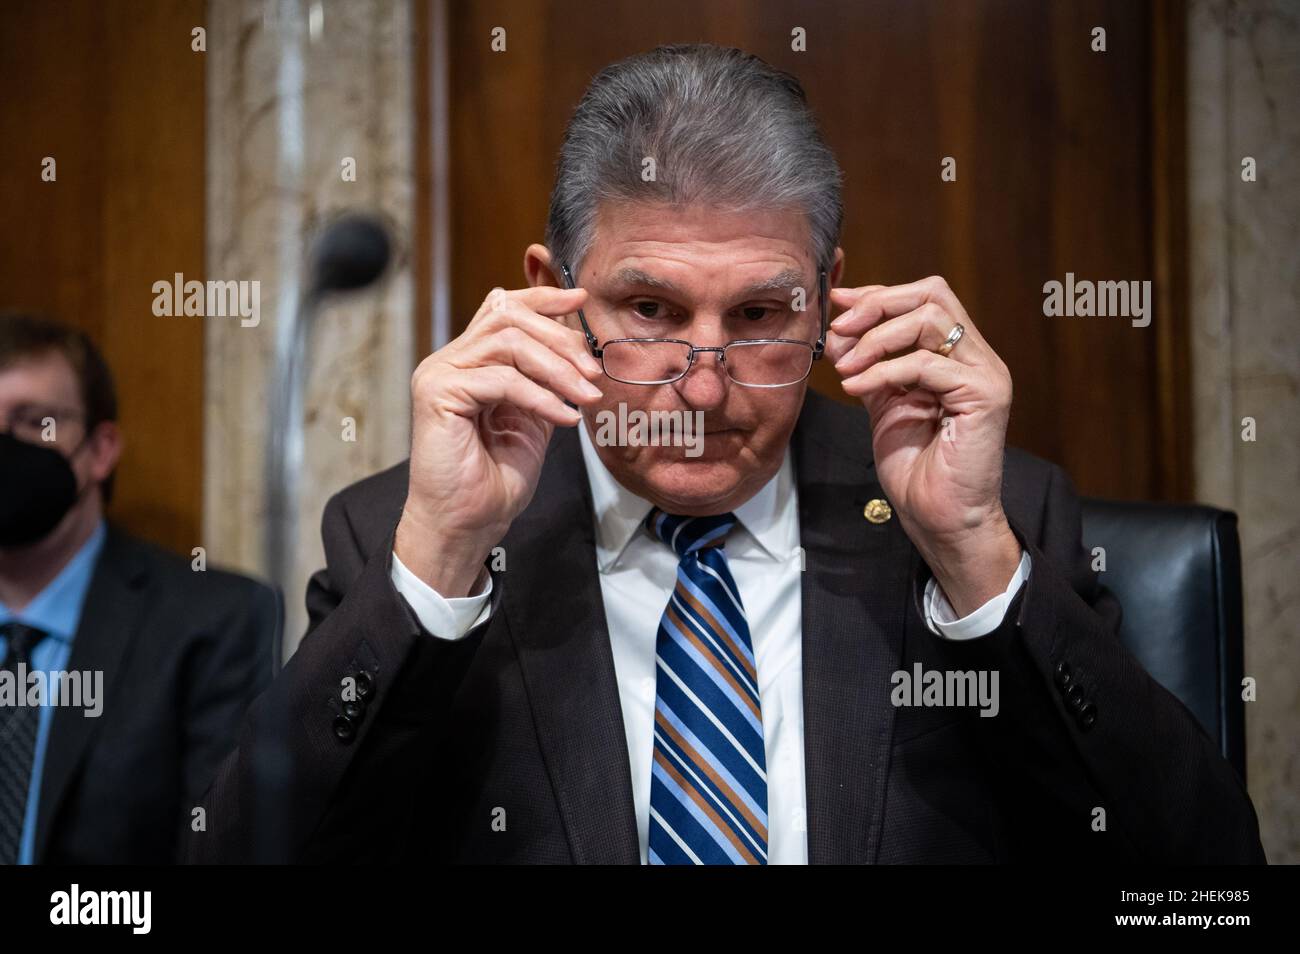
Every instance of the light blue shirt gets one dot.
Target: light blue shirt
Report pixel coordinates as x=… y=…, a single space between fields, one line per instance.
x=56 y=610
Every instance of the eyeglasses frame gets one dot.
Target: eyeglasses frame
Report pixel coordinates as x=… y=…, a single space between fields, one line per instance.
x=818 y=348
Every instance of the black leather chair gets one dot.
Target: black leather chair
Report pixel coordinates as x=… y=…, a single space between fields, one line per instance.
x=1176 y=570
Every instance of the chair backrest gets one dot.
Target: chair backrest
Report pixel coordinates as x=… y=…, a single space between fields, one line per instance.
x=1176 y=571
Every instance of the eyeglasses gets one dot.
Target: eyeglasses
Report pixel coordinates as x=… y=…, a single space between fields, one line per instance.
x=751 y=362
x=37 y=424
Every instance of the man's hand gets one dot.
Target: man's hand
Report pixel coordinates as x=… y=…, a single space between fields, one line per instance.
x=939 y=427
x=483 y=409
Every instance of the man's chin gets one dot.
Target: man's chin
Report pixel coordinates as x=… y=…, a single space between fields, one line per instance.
x=693 y=486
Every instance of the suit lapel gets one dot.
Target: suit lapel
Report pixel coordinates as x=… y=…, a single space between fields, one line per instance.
x=109 y=620
x=855 y=602
x=556 y=616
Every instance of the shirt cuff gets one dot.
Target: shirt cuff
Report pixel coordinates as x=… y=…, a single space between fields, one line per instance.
x=942 y=618
x=444 y=618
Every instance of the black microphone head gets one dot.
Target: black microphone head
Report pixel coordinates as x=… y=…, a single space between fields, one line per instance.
x=349 y=253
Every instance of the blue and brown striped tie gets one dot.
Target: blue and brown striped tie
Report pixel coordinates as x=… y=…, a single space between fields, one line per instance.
x=708 y=787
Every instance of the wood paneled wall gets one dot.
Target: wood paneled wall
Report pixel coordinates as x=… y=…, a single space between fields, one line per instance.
x=113 y=92
x=1067 y=161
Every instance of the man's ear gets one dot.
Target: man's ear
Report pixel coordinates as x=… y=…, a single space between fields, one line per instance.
x=538 y=268
x=837 y=269
x=104 y=450
x=541 y=269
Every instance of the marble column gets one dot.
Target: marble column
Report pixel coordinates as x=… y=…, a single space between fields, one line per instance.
x=301 y=93
x=1244 y=104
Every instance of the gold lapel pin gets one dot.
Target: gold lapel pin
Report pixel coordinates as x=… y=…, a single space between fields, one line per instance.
x=877 y=511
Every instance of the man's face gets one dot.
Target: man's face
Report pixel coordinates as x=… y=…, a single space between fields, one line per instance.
x=41 y=387
x=658 y=272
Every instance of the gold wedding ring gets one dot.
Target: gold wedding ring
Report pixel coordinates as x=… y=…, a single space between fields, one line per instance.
x=951 y=341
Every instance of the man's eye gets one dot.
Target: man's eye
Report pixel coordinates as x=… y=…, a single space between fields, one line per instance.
x=755 y=312
x=648 y=309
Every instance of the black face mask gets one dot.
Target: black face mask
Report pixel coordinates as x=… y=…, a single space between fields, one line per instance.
x=37 y=489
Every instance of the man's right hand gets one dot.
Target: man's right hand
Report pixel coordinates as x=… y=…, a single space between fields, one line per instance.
x=483 y=409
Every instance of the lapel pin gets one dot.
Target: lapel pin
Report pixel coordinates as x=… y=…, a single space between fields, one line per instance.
x=877 y=511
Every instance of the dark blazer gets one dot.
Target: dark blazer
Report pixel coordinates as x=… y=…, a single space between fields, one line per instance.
x=521 y=721
x=183 y=654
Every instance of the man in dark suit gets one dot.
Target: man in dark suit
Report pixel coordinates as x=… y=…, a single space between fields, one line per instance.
x=724 y=620
x=123 y=672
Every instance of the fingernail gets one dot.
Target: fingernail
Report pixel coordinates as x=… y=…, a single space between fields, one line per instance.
x=590 y=390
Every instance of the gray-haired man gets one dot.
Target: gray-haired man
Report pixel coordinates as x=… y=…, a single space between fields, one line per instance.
x=545 y=639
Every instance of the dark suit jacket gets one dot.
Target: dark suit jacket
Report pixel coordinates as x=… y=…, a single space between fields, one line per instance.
x=523 y=716
x=183 y=654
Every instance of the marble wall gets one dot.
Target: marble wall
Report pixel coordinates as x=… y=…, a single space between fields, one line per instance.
x=1244 y=102
x=295 y=89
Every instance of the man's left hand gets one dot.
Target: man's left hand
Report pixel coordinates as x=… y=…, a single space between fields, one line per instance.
x=939 y=427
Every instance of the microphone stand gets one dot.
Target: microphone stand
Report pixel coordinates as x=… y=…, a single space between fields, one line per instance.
x=284 y=445
x=272 y=754
x=347 y=256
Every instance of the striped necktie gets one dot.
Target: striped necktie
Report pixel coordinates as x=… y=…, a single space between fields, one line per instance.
x=18 y=726
x=708 y=785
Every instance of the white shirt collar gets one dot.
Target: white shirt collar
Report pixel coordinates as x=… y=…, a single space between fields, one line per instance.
x=770 y=516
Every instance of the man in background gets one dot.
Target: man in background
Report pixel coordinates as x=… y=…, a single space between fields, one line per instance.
x=123 y=672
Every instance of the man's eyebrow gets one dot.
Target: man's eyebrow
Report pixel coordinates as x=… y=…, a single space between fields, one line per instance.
x=635 y=278
x=785 y=281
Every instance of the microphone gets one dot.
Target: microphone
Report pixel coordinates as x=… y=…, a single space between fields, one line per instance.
x=348 y=255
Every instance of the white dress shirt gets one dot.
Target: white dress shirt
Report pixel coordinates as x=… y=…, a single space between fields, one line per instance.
x=637 y=575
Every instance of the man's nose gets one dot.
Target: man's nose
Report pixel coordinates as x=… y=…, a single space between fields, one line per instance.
x=705 y=385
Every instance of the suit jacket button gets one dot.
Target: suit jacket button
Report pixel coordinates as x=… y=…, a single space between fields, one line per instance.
x=354 y=711
x=365 y=684
x=345 y=729
x=1062 y=676
x=1087 y=717
x=1074 y=698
